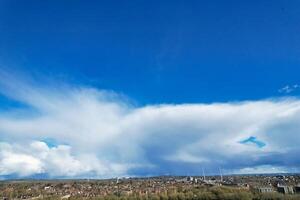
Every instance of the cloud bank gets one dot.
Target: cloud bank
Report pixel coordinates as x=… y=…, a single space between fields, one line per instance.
x=86 y=132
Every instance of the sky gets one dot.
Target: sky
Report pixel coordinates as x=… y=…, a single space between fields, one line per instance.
x=99 y=89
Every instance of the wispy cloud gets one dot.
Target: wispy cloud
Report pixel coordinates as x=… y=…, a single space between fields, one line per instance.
x=289 y=88
x=82 y=132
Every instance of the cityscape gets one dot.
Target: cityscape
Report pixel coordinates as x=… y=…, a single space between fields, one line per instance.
x=244 y=187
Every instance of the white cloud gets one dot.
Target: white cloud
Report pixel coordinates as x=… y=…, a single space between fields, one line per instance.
x=101 y=135
x=37 y=157
x=18 y=163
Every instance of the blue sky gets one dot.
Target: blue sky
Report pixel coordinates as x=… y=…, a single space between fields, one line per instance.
x=153 y=50
x=145 y=59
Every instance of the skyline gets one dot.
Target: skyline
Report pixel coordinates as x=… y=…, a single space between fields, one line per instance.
x=145 y=88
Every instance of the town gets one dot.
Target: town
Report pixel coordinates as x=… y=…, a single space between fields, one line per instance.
x=158 y=188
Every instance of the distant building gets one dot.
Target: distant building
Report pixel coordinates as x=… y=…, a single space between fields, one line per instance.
x=190 y=179
x=280 y=177
x=66 y=196
x=297 y=188
x=265 y=189
x=285 y=189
